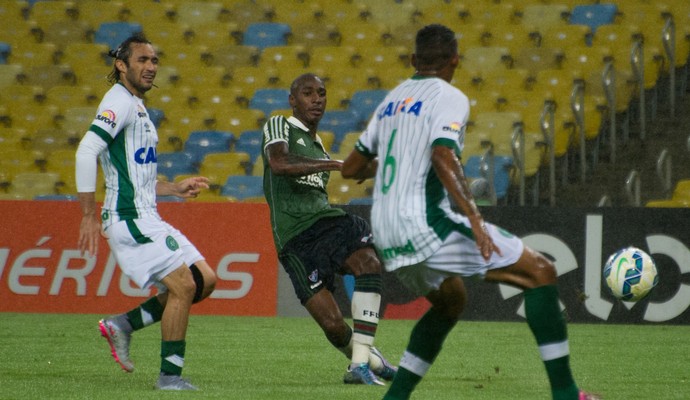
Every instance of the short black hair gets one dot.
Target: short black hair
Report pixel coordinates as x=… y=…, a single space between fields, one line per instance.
x=123 y=52
x=297 y=83
x=435 y=45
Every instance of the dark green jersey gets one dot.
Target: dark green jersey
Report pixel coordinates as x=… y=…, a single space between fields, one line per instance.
x=296 y=202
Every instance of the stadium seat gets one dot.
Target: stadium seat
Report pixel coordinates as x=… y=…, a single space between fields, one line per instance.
x=513 y=37
x=268 y=100
x=61 y=33
x=72 y=96
x=233 y=56
x=593 y=15
x=11 y=74
x=48 y=76
x=340 y=122
x=485 y=58
x=47 y=12
x=34 y=116
x=198 y=13
x=241 y=187
x=564 y=36
x=364 y=102
x=245 y=13
x=332 y=57
x=33 y=54
x=314 y=35
x=341 y=190
x=114 y=33
x=173 y=164
x=541 y=16
x=534 y=59
x=240 y=120
x=156 y=116
x=79 y=118
x=31 y=184
x=284 y=56
x=212 y=35
x=51 y=139
x=266 y=34
x=363 y=35
x=200 y=143
x=96 y=14
x=250 y=142
x=217 y=167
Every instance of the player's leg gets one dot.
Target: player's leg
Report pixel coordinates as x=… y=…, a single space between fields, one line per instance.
x=537 y=276
x=180 y=289
x=427 y=337
x=365 y=307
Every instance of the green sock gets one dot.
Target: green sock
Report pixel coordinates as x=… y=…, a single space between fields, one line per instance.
x=172 y=357
x=546 y=321
x=147 y=313
x=425 y=344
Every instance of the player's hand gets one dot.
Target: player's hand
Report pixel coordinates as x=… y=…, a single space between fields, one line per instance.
x=191 y=187
x=483 y=240
x=89 y=231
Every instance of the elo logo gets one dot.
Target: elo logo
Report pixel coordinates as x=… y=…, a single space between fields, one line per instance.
x=145 y=155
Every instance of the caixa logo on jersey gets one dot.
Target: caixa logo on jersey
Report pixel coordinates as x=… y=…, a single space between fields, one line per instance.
x=108 y=117
x=145 y=155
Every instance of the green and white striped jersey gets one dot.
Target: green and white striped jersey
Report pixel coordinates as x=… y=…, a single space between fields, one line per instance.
x=411 y=214
x=129 y=162
x=296 y=202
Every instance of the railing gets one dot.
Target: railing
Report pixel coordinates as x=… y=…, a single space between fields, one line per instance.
x=577 y=104
x=546 y=123
x=608 y=80
x=605 y=201
x=487 y=167
x=518 y=147
x=637 y=62
x=664 y=171
x=632 y=188
x=668 y=37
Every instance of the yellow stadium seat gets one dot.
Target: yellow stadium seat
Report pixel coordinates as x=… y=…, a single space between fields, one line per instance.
x=564 y=36
x=485 y=58
x=246 y=12
x=284 y=56
x=541 y=16
x=535 y=59
x=32 y=184
x=72 y=96
x=198 y=13
x=363 y=35
x=212 y=35
x=34 y=54
x=332 y=57
x=668 y=203
x=258 y=167
x=34 y=116
x=95 y=13
x=511 y=36
x=47 y=12
x=403 y=35
x=48 y=76
x=314 y=35
x=62 y=34
x=233 y=56
x=48 y=140
x=341 y=190
x=78 y=118
x=11 y=74
x=218 y=166
x=240 y=120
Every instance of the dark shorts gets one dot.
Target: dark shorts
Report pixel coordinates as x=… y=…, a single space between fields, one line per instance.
x=313 y=257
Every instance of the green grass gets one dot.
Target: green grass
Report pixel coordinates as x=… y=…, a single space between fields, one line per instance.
x=49 y=356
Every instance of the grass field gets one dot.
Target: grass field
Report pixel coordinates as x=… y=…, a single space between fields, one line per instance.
x=63 y=357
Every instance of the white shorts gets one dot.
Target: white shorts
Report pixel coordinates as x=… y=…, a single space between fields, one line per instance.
x=459 y=256
x=148 y=249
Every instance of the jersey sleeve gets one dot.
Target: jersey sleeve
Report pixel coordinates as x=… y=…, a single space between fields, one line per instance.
x=449 y=121
x=368 y=140
x=276 y=129
x=114 y=114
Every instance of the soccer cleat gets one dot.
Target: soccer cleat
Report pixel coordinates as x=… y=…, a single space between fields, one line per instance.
x=173 y=382
x=388 y=371
x=118 y=340
x=588 y=396
x=361 y=375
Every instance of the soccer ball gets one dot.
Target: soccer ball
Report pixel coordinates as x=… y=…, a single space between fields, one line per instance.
x=630 y=273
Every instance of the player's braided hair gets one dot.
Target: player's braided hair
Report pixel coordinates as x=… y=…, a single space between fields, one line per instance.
x=123 y=52
x=435 y=45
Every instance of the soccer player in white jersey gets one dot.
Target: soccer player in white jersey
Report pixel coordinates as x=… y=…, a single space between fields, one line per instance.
x=147 y=249
x=412 y=146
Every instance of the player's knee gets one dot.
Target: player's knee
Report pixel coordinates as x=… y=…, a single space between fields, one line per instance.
x=450 y=298
x=364 y=261
x=545 y=273
x=204 y=281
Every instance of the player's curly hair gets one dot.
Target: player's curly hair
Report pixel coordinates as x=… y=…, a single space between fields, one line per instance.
x=435 y=45
x=123 y=52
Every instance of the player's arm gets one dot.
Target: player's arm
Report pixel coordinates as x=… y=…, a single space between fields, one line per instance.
x=359 y=166
x=450 y=173
x=86 y=169
x=282 y=162
x=186 y=188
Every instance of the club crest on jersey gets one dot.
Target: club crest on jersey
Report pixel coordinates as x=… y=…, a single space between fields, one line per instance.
x=407 y=106
x=145 y=155
x=108 y=117
x=141 y=112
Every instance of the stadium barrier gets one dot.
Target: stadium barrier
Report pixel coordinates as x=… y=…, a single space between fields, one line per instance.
x=41 y=269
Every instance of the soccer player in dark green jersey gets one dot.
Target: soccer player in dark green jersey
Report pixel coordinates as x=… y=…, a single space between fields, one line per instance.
x=316 y=241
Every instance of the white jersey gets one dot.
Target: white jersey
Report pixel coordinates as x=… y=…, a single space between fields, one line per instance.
x=129 y=162
x=412 y=215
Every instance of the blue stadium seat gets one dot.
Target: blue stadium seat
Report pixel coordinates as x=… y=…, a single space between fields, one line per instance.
x=200 y=143
x=250 y=142
x=364 y=102
x=114 y=33
x=5 y=51
x=593 y=15
x=243 y=186
x=173 y=164
x=268 y=100
x=156 y=115
x=266 y=34
x=340 y=122
x=473 y=169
